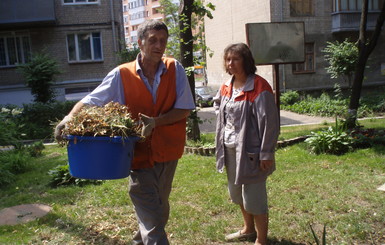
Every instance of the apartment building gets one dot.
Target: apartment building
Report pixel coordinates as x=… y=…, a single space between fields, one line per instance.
x=136 y=12
x=324 y=20
x=83 y=36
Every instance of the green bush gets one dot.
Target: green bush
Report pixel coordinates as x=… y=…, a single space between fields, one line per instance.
x=35 y=149
x=334 y=140
x=289 y=97
x=321 y=106
x=38 y=118
x=13 y=162
x=9 y=128
x=6 y=177
x=60 y=176
x=40 y=74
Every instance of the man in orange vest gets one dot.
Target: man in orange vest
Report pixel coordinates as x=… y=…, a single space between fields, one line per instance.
x=157 y=92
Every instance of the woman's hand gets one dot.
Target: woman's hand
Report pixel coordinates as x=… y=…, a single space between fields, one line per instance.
x=266 y=164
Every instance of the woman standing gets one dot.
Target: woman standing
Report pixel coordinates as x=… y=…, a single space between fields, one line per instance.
x=246 y=136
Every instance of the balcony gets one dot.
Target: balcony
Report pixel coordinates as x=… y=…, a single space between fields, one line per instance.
x=24 y=13
x=350 y=21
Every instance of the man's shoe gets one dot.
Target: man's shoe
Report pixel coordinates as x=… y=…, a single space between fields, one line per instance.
x=238 y=236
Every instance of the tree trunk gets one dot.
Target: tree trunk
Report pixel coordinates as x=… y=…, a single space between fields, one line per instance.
x=186 y=51
x=365 y=48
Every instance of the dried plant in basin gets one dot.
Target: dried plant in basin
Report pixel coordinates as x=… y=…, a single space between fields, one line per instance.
x=110 y=120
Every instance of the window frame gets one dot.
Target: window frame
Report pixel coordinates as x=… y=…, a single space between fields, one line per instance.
x=358 y=7
x=92 y=45
x=22 y=54
x=84 y=2
x=295 y=66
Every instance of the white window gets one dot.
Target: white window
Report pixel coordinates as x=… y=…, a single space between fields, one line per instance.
x=80 y=1
x=14 y=49
x=84 y=47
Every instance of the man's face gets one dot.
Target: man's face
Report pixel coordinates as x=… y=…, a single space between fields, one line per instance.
x=153 y=45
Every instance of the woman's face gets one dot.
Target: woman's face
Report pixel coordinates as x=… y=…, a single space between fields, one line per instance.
x=234 y=63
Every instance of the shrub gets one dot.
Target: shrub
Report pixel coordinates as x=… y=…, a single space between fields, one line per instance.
x=289 y=97
x=12 y=163
x=6 y=177
x=15 y=161
x=61 y=177
x=334 y=140
x=40 y=74
x=38 y=118
x=9 y=128
x=36 y=149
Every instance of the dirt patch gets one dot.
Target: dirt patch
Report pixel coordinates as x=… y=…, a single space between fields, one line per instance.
x=23 y=213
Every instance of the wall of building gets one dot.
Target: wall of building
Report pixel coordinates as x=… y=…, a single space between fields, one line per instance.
x=52 y=39
x=228 y=26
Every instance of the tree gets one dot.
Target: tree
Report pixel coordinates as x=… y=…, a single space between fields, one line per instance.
x=342 y=58
x=365 y=47
x=127 y=55
x=186 y=10
x=40 y=74
x=170 y=11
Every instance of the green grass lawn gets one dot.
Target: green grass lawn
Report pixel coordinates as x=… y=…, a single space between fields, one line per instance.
x=337 y=191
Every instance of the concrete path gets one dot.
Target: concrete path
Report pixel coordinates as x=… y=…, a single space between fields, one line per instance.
x=207 y=115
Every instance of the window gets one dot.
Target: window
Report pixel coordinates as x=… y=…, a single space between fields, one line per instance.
x=80 y=1
x=301 y=8
x=84 y=47
x=156 y=10
x=356 y=5
x=14 y=49
x=135 y=27
x=308 y=65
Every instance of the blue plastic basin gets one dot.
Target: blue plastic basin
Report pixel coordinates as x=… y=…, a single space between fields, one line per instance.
x=100 y=157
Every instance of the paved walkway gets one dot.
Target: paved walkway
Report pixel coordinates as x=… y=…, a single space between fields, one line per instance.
x=208 y=117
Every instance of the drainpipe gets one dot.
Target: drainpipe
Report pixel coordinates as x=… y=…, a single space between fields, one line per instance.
x=113 y=25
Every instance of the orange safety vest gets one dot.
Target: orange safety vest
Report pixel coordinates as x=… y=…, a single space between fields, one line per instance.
x=166 y=142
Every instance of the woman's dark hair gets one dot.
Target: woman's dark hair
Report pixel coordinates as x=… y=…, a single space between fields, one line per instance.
x=242 y=50
x=151 y=25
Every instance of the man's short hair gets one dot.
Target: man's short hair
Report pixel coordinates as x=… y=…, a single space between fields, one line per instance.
x=151 y=25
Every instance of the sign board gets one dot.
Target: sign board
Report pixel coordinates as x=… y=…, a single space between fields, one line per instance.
x=276 y=43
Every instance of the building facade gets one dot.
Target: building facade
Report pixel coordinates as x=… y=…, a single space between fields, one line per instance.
x=135 y=12
x=83 y=36
x=326 y=20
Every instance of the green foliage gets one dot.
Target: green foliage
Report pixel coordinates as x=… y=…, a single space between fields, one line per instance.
x=316 y=239
x=335 y=103
x=170 y=10
x=38 y=118
x=9 y=128
x=334 y=140
x=321 y=106
x=289 y=97
x=40 y=74
x=13 y=162
x=206 y=140
x=127 y=55
x=342 y=58
x=36 y=149
x=60 y=176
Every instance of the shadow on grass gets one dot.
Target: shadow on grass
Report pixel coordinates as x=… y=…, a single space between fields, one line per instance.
x=84 y=233
x=274 y=241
